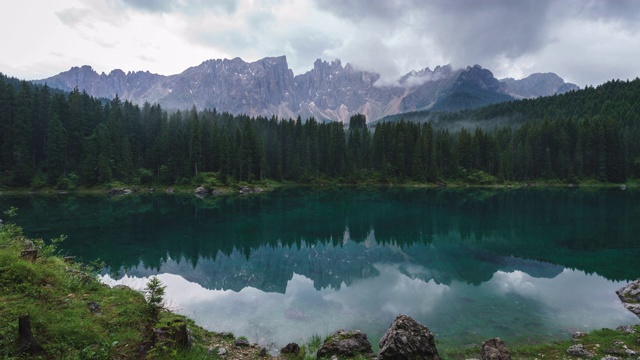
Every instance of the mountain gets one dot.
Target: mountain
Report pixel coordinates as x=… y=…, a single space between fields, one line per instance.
x=538 y=84
x=329 y=91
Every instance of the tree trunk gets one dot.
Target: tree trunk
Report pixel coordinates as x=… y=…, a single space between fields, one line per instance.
x=28 y=344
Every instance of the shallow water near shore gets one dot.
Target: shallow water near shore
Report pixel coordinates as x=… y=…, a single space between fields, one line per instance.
x=524 y=265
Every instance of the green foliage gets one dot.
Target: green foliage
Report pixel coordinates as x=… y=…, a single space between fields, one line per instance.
x=68 y=182
x=11 y=212
x=154 y=293
x=39 y=180
x=592 y=133
x=51 y=249
x=145 y=177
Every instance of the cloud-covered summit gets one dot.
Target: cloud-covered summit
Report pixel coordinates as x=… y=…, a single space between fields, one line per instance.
x=585 y=41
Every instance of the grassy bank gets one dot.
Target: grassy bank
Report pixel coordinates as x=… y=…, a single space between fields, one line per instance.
x=57 y=294
x=73 y=316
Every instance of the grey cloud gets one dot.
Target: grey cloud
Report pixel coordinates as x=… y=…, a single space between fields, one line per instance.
x=234 y=42
x=477 y=31
x=466 y=30
x=626 y=11
x=362 y=10
x=151 y=5
x=304 y=47
x=192 y=7
x=72 y=17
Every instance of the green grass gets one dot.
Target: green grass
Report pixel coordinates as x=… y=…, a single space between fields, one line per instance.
x=55 y=295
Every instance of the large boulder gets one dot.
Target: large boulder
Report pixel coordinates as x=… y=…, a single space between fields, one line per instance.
x=201 y=190
x=630 y=297
x=119 y=191
x=408 y=339
x=494 y=349
x=346 y=344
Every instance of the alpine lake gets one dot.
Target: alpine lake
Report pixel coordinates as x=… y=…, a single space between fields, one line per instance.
x=525 y=265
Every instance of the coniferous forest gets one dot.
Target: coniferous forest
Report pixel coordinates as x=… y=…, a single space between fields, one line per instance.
x=65 y=140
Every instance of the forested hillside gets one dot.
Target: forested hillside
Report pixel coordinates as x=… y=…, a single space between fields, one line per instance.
x=65 y=140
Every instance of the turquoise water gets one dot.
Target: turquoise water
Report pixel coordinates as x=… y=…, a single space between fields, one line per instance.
x=524 y=265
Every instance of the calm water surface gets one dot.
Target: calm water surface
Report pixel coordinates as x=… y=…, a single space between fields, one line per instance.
x=524 y=265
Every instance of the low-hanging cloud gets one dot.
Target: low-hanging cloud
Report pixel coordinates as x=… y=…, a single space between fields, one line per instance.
x=584 y=41
x=503 y=35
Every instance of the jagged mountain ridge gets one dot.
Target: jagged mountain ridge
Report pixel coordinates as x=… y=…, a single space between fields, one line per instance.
x=329 y=91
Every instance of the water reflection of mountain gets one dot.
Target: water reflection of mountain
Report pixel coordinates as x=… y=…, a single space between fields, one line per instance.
x=270 y=268
x=476 y=232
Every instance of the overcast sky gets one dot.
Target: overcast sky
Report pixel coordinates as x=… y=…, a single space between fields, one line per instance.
x=584 y=41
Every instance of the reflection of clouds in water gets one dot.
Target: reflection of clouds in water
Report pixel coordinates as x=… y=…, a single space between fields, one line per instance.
x=300 y=312
x=510 y=304
x=392 y=292
x=569 y=297
x=516 y=281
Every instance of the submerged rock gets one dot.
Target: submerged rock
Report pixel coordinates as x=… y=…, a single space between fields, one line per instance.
x=495 y=349
x=346 y=344
x=630 y=297
x=408 y=339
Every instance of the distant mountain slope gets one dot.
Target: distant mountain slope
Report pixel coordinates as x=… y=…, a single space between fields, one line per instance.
x=329 y=91
x=538 y=84
x=615 y=99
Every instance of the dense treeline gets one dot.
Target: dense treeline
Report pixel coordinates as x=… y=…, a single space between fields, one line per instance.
x=66 y=140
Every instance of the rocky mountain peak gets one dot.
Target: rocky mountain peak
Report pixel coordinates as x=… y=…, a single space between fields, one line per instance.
x=330 y=90
x=480 y=77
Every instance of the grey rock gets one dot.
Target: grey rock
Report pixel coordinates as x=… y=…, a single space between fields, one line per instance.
x=630 y=297
x=29 y=245
x=408 y=339
x=578 y=334
x=626 y=329
x=119 y=191
x=495 y=349
x=610 y=358
x=290 y=348
x=263 y=352
x=222 y=351
x=346 y=344
x=94 y=308
x=612 y=351
x=202 y=190
x=241 y=343
x=578 y=350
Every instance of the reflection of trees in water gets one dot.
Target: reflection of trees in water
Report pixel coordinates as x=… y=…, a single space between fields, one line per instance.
x=468 y=226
